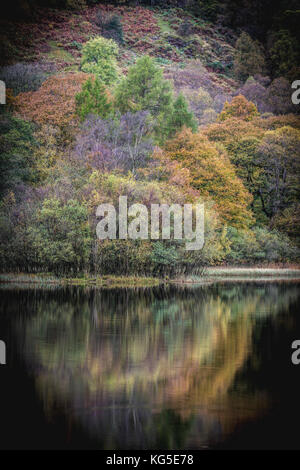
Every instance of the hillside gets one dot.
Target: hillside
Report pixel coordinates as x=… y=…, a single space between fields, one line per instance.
x=162 y=104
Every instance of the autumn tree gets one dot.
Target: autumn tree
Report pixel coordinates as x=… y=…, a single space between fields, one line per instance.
x=123 y=142
x=240 y=108
x=212 y=174
x=54 y=102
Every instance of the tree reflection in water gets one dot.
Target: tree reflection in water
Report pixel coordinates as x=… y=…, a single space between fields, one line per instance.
x=148 y=368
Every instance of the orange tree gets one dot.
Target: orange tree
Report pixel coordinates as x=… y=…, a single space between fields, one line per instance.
x=210 y=173
x=240 y=108
x=54 y=102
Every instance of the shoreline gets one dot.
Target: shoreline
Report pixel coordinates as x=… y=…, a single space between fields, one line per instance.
x=210 y=274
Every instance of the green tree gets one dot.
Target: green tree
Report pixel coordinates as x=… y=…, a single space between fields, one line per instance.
x=93 y=99
x=283 y=53
x=99 y=57
x=249 y=57
x=144 y=89
x=61 y=236
x=179 y=117
x=16 y=153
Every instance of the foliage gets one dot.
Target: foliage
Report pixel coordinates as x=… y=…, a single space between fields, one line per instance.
x=243 y=163
x=99 y=58
x=179 y=117
x=211 y=173
x=22 y=77
x=288 y=221
x=111 y=26
x=61 y=236
x=279 y=97
x=54 y=101
x=283 y=52
x=249 y=58
x=238 y=108
x=123 y=143
x=279 y=154
x=16 y=145
x=199 y=100
x=93 y=99
x=144 y=89
x=260 y=246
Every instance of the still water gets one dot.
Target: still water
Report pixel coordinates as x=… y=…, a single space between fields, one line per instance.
x=159 y=368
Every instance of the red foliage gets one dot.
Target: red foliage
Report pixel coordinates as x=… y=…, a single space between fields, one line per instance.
x=54 y=102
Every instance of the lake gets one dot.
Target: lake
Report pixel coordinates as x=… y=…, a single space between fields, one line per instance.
x=168 y=367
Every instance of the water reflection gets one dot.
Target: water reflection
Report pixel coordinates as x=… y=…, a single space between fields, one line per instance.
x=148 y=368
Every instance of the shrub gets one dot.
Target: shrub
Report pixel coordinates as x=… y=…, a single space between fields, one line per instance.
x=185 y=29
x=23 y=77
x=54 y=102
x=238 y=108
x=123 y=143
x=260 y=245
x=61 y=235
x=99 y=57
x=111 y=27
x=93 y=99
x=199 y=100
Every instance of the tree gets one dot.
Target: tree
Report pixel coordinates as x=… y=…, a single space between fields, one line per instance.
x=279 y=97
x=258 y=94
x=99 y=58
x=199 y=100
x=211 y=174
x=279 y=157
x=179 y=117
x=123 y=143
x=144 y=89
x=283 y=52
x=238 y=108
x=249 y=57
x=16 y=148
x=61 y=236
x=93 y=99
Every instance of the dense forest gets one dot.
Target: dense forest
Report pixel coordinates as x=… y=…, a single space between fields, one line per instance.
x=162 y=101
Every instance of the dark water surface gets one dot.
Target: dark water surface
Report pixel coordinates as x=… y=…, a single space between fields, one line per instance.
x=157 y=368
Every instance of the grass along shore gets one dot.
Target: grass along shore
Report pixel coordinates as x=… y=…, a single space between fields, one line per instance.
x=210 y=273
